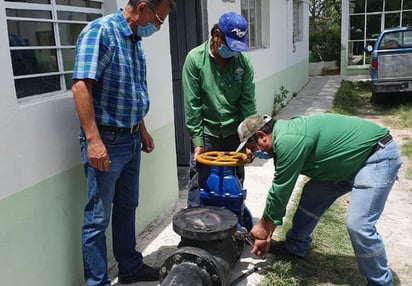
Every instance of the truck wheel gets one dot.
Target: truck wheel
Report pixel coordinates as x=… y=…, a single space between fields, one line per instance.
x=378 y=98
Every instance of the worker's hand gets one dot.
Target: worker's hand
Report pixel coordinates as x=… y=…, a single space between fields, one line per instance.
x=147 y=140
x=198 y=150
x=97 y=155
x=261 y=233
x=260 y=248
x=147 y=143
x=249 y=154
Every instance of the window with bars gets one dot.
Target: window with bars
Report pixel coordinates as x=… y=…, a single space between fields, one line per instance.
x=297 y=21
x=42 y=38
x=252 y=11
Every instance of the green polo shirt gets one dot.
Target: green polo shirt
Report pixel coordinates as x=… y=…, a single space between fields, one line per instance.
x=325 y=147
x=216 y=100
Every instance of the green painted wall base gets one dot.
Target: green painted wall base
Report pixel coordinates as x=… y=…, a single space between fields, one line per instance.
x=40 y=226
x=40 y=236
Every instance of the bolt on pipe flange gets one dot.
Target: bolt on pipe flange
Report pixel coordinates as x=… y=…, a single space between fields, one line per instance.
x=205 y=264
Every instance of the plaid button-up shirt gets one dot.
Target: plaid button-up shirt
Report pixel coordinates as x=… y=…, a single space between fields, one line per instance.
x=108 y=53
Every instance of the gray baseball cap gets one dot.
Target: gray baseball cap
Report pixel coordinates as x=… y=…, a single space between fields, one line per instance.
x=248 y=127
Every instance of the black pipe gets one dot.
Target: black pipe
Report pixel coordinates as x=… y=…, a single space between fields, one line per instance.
x=190 y=266
x=208 y=249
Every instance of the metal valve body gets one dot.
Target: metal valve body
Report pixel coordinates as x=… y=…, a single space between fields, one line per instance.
x=223 y=189
x=208 y=248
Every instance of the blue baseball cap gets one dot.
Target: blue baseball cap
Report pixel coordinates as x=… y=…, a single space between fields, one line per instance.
x=234 y=27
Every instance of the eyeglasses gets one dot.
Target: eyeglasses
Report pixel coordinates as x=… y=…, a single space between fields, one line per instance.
x=161 y=21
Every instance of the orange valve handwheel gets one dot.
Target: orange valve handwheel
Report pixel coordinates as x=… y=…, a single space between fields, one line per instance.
x=222 y=158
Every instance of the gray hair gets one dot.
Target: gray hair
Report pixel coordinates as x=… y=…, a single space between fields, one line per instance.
x=154 y=3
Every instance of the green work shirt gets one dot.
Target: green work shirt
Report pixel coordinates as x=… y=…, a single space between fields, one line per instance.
x=216 y=100
x=324 y=147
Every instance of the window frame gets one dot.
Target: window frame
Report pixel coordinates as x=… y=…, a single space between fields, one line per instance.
x=58 y=48
x=254 y=14
x=298 y=21
x=367 y=16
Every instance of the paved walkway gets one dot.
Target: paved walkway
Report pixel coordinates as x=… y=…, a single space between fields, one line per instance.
x=160 y=240
x=316 y=96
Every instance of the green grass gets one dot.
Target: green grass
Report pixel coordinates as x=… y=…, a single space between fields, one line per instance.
x=346 y=99
x=330 y=261
x=350 y=95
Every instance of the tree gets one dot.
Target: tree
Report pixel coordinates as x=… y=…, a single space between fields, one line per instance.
x=325 y=12
x=324 y=37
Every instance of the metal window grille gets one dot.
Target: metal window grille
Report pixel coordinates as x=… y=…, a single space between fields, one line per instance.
x=42 y=38
x=297 y=21
x=252 y=11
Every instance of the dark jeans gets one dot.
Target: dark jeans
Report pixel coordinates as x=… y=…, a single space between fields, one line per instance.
x=198 y=173
x=114 y=194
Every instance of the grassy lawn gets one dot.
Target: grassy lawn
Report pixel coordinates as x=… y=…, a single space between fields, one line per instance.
x=331 y=261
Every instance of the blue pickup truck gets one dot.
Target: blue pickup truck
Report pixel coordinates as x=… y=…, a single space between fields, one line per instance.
x=391 y=64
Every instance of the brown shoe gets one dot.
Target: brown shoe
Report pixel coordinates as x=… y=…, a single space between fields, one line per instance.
x=145 y=273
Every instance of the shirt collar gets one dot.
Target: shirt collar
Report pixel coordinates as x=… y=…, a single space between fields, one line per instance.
x=124 y=26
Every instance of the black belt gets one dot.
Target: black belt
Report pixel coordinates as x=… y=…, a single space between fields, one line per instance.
x=382 y=143
x=132 y=129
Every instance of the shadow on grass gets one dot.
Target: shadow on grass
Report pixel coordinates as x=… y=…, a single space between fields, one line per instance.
x=315 y=269
x=394 y=102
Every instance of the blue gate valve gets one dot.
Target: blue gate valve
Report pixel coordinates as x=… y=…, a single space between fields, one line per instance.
x=223 y=188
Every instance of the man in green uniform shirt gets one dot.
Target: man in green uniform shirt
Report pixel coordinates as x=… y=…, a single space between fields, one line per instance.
x=219 y=92
x=339 y=154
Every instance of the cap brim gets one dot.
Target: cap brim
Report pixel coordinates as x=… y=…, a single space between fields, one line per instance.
x=236 y=45
x=241 y=146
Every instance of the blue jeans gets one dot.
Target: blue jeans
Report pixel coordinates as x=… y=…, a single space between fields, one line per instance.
x=115 y=193
x=198 y=173
x=369 y=190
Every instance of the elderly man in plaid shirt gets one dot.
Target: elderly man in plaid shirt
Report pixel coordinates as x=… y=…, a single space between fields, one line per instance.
x=111 y=99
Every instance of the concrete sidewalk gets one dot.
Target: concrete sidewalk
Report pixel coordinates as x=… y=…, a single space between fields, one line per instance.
x=159 y=241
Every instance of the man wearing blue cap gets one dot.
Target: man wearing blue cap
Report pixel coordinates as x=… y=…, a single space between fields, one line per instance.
x=219 y=93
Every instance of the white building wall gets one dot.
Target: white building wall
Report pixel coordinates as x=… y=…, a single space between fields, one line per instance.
x=38 y=135
x=281 y=53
